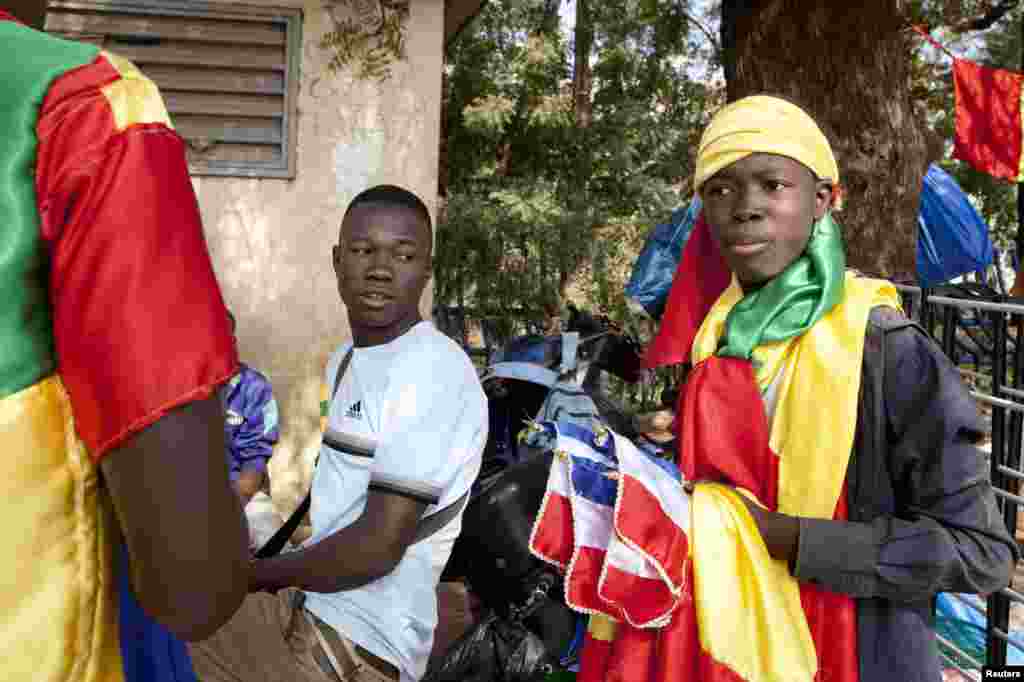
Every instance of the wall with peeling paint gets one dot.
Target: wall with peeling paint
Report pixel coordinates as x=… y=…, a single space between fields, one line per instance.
x=271 y=239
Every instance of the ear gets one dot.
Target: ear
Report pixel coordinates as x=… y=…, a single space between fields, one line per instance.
x=336 y=259
x=822 y=198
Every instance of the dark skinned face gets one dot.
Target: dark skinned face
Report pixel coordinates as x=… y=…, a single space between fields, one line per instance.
x=382 y=264
x=760 y=211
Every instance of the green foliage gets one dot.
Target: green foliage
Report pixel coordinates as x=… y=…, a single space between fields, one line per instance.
x=542 y=208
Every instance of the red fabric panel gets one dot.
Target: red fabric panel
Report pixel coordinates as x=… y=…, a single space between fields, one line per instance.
x=724 y=429
x=832 y=619
x=643 y=522
x=139 y=321
x=678 y=655
x=988 y=119
x=6 y=16
x=634 y=655
x=594 y=658
x=725 y=437
x=700 y=279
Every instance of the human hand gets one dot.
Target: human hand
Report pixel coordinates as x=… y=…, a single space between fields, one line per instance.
x=248 y=484
x=780 y=532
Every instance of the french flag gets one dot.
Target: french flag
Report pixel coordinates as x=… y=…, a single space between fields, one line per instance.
x=616 y=561
x=646 y=572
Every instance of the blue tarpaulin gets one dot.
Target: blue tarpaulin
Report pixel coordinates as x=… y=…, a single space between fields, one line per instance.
x=952 y=240
x=656 y=265
x=965 y=628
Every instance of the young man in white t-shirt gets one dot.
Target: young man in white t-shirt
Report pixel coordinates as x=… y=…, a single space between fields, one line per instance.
x=406 y=430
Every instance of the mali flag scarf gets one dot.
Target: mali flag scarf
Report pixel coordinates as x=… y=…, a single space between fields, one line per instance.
x=771 y=409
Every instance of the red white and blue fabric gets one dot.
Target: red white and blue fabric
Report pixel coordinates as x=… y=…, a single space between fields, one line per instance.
x=615 y=520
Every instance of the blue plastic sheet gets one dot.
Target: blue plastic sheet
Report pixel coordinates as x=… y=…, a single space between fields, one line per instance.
x=656 y=265
x=965 y=627
x=952 y=238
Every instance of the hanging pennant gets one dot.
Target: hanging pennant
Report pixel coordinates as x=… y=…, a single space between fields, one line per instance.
x=988 y=119
x=988 y=115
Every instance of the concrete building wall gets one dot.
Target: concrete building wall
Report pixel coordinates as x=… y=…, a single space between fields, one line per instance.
x=271 y=239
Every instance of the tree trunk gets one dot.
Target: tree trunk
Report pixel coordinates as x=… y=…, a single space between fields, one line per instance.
x=442 y=170
x=582 y=81
x=850 y=68
x=569 y=251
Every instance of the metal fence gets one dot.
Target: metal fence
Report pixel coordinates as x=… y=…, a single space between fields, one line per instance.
x=983 y=333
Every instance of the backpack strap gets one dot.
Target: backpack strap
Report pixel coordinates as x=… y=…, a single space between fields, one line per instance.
x=870 y=470
x=427 y=526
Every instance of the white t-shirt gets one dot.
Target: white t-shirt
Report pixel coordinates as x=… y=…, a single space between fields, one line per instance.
x=420 y=399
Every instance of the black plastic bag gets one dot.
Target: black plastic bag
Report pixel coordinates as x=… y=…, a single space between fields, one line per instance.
x=495 y=650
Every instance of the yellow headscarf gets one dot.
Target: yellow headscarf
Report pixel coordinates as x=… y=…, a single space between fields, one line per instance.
x=768 y=125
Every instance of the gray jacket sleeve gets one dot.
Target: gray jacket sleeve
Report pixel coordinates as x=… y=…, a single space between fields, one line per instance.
x=946 y=532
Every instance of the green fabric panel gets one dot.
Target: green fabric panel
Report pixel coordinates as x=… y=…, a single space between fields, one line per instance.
x=34 y=61
x=794 y=300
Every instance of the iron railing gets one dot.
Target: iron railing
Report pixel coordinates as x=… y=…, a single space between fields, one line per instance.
x=983 y=333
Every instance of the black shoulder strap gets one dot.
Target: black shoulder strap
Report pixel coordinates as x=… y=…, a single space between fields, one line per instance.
x=341 y=373
x=427 y=526
x=872 y=453
x=279 y=539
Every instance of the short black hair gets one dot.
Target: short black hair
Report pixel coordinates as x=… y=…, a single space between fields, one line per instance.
x=392 y=195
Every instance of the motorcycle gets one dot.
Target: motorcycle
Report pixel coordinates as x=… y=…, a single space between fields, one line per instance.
x=524 y=631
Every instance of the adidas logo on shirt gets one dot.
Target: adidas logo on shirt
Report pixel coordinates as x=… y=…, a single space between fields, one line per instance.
x=355 y=411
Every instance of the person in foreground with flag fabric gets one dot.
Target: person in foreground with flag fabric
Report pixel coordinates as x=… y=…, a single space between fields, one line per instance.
x=113 y=341
x=838 y=488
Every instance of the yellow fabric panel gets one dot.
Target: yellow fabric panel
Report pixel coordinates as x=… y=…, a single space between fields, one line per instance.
x=133 y=98
x=58 y=608
x=602 y=628
x=824 y=361
x=814 y=446
x=748 y=605
x=758 y=628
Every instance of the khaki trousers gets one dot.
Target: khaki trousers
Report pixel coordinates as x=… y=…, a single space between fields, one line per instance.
x=272 y=639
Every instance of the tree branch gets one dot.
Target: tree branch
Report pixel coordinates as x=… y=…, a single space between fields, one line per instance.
x=998 y=11
x=703 y=29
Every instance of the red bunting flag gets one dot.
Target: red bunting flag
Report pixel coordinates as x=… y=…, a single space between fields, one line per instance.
x=988 y=119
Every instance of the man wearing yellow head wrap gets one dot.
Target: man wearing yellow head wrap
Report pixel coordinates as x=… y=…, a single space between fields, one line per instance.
x=847 y=433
